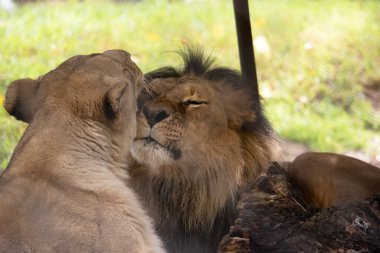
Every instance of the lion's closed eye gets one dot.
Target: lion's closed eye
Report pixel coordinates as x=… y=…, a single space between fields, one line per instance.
x=194 y=103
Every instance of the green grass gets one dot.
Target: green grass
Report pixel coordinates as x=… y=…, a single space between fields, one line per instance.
x=345 y=36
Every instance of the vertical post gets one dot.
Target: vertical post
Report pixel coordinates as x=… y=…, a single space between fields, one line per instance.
x=246 y=53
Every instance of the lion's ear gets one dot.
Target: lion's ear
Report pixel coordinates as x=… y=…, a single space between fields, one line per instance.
x=112 y=100
x=20 y=99
x=240 y=120
x=239 y=108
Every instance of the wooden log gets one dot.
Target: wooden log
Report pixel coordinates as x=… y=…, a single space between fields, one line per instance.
x=273 y=217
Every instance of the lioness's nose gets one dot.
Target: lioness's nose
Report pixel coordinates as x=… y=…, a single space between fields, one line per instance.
x=154 y=116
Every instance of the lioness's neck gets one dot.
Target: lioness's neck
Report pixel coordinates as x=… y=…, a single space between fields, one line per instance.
x=65 y=146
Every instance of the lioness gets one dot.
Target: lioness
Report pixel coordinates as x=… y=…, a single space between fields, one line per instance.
x=328 y=179
x=199 y=138
x=64 y=189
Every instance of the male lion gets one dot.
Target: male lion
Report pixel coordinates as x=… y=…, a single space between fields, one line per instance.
x=64 y=189
x=199 y=138
x=328 y=179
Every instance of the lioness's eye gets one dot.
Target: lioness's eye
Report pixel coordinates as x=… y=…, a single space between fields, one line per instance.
x=194 y=103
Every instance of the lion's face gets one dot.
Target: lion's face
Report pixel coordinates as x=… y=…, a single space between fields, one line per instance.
x=188 y=122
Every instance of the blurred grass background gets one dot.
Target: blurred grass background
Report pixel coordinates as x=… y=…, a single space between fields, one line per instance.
x=314 y=58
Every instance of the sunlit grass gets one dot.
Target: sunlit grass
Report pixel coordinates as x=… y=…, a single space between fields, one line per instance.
x=321 y=53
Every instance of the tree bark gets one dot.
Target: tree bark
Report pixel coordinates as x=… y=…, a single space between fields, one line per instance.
x=273 y=217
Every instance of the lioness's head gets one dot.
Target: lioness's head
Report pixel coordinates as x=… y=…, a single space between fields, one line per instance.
x=198 y=128
x=89 y=92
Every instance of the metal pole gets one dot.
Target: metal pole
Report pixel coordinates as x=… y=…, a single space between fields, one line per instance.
x=246 y=53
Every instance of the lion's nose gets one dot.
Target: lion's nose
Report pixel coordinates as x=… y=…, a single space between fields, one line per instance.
x=155 y=116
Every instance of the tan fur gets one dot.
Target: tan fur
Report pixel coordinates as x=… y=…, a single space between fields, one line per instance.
x=329 y=179
x=64 y=189
x=189 y=165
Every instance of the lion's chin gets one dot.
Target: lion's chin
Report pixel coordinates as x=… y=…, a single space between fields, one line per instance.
x=151 y=154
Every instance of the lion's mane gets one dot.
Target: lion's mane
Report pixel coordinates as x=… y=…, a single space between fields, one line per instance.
x=192 y=197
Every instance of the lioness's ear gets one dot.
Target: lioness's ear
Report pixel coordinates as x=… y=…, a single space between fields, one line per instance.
x=20 y=99
x=113 y=98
